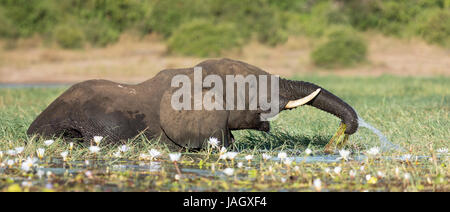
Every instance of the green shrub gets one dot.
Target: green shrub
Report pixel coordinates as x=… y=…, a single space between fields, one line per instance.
x=123 y=14
x=291 y=5
x=69 y=36
x=319 y=18
x=252 y=18
x=434 y=26
x=100 y=33
x=343 y=48
x=7 y=28
x=270 y=31
x=203 y=38
x=168 y=15
x=31 y=17
x=391 y=17
x=272 y=36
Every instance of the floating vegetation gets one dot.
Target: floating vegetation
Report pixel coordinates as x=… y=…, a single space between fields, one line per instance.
x=69 y=167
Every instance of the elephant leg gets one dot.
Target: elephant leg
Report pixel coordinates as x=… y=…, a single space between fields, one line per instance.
x=55 y=130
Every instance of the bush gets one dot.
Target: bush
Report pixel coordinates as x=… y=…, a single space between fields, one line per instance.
x=270 y=31
x=100 y=33
x=31 y=17
x=343 y=48
x=252 y=18
x=122 y=14
x=168 y=15
x=434 y=26
x=7 y=28
x=319 y=18
x=68 y=36
x=203 y=38
x=391 y=17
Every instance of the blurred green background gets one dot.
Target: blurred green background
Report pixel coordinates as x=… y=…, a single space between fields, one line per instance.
x=209 y=27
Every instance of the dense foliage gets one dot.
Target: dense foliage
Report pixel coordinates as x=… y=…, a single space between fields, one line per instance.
x=100 y=22
x=343 y=48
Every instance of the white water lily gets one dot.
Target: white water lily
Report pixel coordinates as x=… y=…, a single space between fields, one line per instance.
x=373 y=151
x=123 y=148
x=228 y=171
x=380 y=174
x=144 y=156
x=174 y=157
x=407 y=176
x=228 y=155
x=223 y=157
x=317 y=184
x=223 y=150
x=249 y=157
x=28 y=163
x=240 y=165
x=11 y=152
x=352 y=173
x=344 y=155
x=214 y=142
x=308 y=151
x=40 y=152
x=40 y=173
x=27 y=184
x=231 y=155
x=282 y=155
x=64 y=155
x=88 y=174
x=19 y=149
x=266 y=156
x=288 y=161
x=117 y=154
x=98 y=139
x=154 y=153
x=94 y=149
x=48 y=142
x=177 y=177
x=406 y=157
x=337 y=170
x=442 y=150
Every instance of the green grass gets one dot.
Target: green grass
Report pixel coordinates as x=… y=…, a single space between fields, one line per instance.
x=411 y=112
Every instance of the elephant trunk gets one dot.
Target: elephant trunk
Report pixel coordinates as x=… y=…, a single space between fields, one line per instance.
x=326 y=101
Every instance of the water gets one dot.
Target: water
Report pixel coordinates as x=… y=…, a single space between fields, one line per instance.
x=385 y=144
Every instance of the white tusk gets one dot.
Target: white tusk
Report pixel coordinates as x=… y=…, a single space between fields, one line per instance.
x=302 y=101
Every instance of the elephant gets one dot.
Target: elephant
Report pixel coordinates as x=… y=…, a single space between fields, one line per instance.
x=120 y=111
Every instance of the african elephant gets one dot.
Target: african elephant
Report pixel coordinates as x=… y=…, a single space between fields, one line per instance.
x=119 y=111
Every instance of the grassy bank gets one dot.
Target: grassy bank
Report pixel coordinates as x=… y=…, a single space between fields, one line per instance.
x=411 y=112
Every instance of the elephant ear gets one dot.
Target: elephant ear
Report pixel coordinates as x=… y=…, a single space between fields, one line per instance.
x=191 y=128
